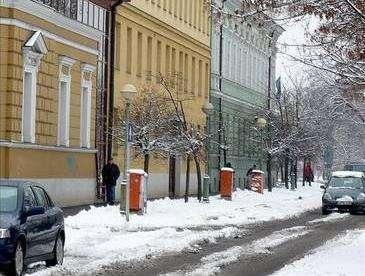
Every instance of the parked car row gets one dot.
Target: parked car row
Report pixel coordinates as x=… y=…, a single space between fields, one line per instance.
x=31 y=227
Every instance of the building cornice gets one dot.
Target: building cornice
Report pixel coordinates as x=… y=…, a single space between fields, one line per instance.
x=19 y=145
x=47 y=14
x=60 y=39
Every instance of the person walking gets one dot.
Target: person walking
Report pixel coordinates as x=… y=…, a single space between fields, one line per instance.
x=308 y=174
x=110 y=175
x=248 y=176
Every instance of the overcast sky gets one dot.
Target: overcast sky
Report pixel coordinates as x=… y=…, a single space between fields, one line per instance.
x=294 y=34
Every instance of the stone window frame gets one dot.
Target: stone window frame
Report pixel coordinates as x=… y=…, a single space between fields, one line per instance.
x=86 y=83
x=63 y=132
x=31 y=62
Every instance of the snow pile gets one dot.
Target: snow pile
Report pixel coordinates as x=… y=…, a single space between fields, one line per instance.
x=101 y=236
x=343 y=256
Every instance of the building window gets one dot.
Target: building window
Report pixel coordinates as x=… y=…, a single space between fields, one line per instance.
x=85 y=104
x=186 y=73
x=65 y=65
x=167 y=61
x=139 y=54
x=200 y=81
x=33 y=51
x=129 y=50
x=149 y=57
x=158 y=54
x=29 y=104
x=193 y=72
x=117 y=44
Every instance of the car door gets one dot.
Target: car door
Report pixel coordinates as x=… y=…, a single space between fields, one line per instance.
x=45 y=242
x=54 y=219
x=33 y=224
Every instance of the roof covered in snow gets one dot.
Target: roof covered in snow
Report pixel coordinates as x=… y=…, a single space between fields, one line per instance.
x=347 y=174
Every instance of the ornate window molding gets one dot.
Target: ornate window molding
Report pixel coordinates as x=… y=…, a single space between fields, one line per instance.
x=63 y=133
x=85 y=104
x=33 y=51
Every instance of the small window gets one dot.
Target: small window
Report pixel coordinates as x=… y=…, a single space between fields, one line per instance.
x=41 y=197
x=29 y=199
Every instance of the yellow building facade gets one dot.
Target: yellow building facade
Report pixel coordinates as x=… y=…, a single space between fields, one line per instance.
x=170 y=38
x=50 y=60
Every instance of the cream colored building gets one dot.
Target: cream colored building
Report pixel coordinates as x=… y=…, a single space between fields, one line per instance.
x=50 y=68
x=170 y=37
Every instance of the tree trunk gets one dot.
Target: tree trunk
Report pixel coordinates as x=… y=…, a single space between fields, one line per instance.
x=146 y=162
x=286 y=171
x=281 y=171
x=199 y=176
x=268 y=169
x=296 y=172
x=187 y=178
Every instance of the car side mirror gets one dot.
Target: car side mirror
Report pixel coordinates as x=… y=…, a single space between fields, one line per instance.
x=323 y=187
x=39 y=210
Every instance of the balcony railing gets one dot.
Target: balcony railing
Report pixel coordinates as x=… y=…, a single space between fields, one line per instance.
x=81 y=10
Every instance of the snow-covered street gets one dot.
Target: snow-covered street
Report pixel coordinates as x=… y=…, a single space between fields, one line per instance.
x=342 y=256
x=101 y=236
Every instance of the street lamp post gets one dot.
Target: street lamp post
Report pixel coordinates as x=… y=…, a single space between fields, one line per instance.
x=128 y=92
x=208 y=109
x=261 y=124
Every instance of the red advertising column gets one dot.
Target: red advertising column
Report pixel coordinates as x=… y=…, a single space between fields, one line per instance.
x=136 y=190
x=226 y=180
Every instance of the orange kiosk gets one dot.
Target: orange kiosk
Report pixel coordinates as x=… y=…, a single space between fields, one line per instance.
x=137 y=190
x=226 y=182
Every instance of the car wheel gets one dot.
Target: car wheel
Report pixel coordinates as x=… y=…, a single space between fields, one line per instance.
x=18 y=263
x=58 y=253
x=325 y=212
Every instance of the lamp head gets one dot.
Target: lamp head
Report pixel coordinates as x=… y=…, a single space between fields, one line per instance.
x=128 y=91
x=208 y=108
x=260 y=122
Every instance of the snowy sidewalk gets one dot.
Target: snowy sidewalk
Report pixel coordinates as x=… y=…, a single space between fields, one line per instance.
x=101 y=236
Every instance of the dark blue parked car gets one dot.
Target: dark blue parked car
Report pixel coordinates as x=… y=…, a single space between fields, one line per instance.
x=31 y=226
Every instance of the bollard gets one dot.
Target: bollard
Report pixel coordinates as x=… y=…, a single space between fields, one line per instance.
x=206 y=184
x=122 y=197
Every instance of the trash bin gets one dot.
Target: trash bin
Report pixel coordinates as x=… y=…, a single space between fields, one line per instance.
x=257 y=181
x=137 y=190
x=226 y=182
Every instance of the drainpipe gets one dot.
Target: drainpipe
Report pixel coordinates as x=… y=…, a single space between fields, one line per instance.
x=220 y=98
x=110 y=53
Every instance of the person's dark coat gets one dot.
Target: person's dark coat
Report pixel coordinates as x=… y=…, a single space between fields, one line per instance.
x=110 y=174
x=308 y=172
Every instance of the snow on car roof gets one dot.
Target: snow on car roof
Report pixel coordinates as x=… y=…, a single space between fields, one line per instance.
x=347 y=174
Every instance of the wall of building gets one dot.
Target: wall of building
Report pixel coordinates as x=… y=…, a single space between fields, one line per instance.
x=246 y=49
x=152 y=39
x=68 y=172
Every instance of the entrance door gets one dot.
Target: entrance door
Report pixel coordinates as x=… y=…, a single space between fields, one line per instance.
x=172 y=177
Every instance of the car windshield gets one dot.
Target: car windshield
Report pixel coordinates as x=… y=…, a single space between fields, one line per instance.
x=346 y=182
x=8 y=198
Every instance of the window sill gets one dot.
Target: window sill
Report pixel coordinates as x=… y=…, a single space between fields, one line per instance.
x=20 y=145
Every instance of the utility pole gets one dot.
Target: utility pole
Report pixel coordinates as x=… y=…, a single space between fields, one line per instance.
x=220 y=124
x=269 y=157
